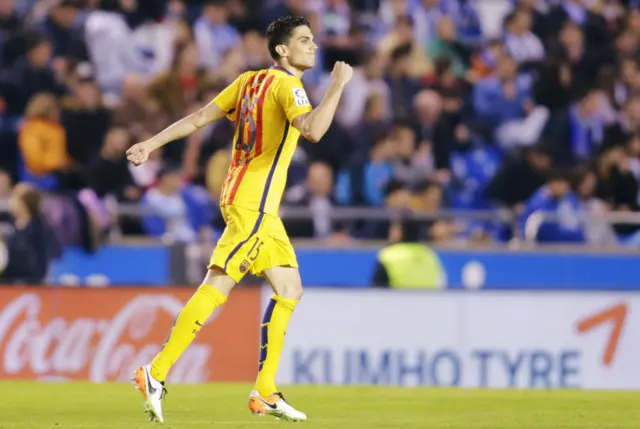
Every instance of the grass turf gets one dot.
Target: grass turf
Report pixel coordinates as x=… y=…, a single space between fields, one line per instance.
x=85 y=405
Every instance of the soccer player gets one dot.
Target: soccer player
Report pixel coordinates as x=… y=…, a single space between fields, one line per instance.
x=271 y=110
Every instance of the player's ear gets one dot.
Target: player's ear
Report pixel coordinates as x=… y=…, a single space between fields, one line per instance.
x=282 y=50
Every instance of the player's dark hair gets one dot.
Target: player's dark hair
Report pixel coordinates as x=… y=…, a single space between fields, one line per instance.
x=281 y=30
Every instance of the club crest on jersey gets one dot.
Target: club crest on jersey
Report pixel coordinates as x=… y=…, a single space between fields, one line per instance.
x=244 y=266
x=301 y=97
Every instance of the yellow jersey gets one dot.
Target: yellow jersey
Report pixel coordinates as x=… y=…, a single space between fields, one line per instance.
x=263 y=105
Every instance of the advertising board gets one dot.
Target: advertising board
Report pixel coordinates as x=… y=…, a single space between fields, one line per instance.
x=103 y=334
x=466 y=339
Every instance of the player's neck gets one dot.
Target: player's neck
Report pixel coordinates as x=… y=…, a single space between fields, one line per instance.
x=289 y=69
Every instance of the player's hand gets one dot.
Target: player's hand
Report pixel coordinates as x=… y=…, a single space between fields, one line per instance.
x=139 y=153
x=342 y=72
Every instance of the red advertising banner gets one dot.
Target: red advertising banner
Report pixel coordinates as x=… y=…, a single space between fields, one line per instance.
x=103 y=334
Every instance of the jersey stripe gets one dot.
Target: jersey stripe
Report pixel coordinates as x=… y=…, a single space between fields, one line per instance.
x=236 y=184
x=262 y=90
x=239 y=125
x=227 y=187
x=259 y=118
x=265 y=193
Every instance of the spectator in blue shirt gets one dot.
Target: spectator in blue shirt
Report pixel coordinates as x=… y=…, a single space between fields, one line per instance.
x=556 y=198
x=214 y=35
x=177 y=211
x=378 y=171
x=503 y=97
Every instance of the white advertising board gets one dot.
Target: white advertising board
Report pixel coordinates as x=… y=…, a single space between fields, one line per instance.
x=466 y=339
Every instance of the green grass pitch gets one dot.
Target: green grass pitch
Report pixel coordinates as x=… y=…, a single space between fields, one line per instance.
x=85 y=405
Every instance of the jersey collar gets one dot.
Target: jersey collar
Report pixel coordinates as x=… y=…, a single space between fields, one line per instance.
x=282 y=69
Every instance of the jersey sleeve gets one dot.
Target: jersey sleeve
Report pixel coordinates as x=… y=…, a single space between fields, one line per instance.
x=227 y=100
x=293 y=98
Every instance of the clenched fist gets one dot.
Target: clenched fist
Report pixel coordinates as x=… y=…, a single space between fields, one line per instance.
x=342 y=72
x=139 y=153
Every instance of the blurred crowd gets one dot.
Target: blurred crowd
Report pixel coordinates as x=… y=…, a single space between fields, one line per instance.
x=466 y=105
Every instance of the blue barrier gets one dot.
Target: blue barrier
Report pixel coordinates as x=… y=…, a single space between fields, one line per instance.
x=347 y=267
x=119 y=264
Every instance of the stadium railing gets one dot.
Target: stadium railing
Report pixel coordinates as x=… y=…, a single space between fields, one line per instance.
x=526 y=235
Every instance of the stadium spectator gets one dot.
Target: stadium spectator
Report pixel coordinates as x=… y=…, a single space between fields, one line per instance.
x=435 y=128
x=63 y=28
x=32 y=246
x=85 y=119
x=109 y=172
x=521 y=43
x=411 y=163
x=316 y=195
x=378 y=171
x=177 y=212
x=506 y=96
x=472 y=166
x=214 y=35
x=402 y=85
x=137 y=110
x=11 y=33
x=406 y=263
x=447 y=45
x=28 y=76
x=179 y=87
x=575 y=133
x=5 y=192
x=374 y=122
x=519 y=177
x=398 y=203
x=43 y=143
x=367 y=80
x=555 y=198
x=417 y=62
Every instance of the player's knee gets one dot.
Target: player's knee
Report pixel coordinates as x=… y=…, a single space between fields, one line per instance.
x=285 y=282
x=219 y=280
x=288 y=287
x=290 y=290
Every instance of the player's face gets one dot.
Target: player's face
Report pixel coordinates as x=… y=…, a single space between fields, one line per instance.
x=302 y=49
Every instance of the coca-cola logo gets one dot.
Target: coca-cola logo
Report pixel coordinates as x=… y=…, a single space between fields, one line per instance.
x=92 y=347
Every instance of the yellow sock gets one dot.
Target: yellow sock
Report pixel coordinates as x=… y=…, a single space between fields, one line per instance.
x=274 y=326
x=194 y=314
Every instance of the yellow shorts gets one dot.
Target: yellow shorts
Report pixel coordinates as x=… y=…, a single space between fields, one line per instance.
x=251 y=242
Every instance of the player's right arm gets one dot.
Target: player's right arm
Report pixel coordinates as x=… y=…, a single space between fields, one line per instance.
x=314 y=125
x=223 y=105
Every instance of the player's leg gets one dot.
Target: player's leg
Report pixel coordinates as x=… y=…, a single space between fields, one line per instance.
x=225 y=271
x=278 y=264
x=149 y=379
x=266 y=399
x=211 y=294
x=287 y=287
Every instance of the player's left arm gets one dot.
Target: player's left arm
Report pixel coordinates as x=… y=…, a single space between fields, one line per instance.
x=314 y=124
x=223 y=105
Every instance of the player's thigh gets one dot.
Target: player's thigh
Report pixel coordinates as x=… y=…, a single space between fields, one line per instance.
x=220 y=280
x=237 y=249
x=285 y=281
x=278 y=262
